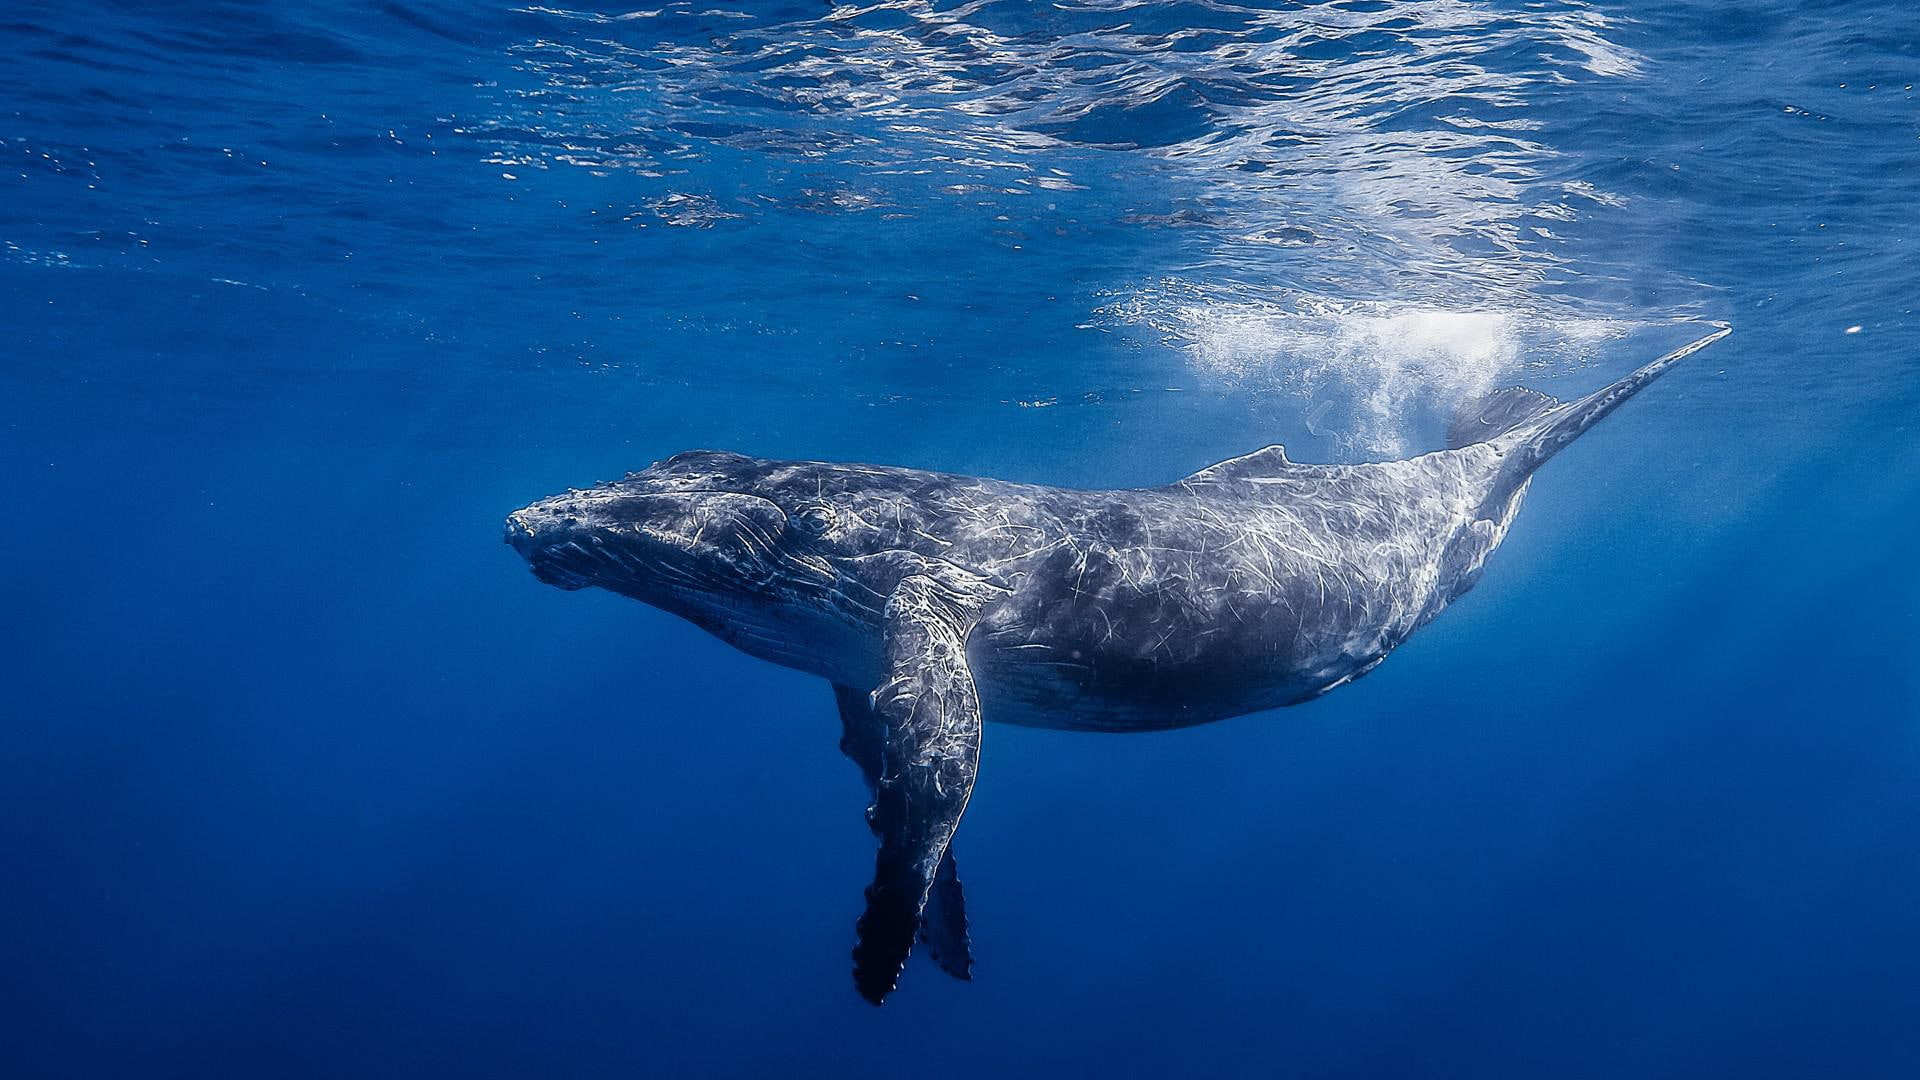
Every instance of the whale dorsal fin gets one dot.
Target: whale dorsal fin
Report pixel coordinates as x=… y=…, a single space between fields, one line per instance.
x=1263 y=462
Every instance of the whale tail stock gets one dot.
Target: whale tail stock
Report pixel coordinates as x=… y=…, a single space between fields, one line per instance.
x=1536 y=426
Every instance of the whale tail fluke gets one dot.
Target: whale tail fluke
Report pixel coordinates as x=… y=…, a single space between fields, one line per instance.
x=1495 y=414
x=1541 y=434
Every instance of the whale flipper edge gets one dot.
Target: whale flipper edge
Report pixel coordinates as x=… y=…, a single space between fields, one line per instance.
x=943 y=926
x=929 y=710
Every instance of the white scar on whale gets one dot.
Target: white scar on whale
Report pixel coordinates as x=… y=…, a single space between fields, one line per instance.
x=932 y=602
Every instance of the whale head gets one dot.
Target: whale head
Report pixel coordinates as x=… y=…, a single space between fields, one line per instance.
x=739 y=546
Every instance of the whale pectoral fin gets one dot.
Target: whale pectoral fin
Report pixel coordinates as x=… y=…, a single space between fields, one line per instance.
x=943 y=925
x=929 y=714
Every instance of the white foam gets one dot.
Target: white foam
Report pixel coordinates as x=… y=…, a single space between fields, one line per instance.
x=1377 y=365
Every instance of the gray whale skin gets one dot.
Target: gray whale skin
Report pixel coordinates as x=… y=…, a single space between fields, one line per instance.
x=930 y=601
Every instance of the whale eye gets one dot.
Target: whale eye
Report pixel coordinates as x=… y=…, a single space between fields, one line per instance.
x=813 y=519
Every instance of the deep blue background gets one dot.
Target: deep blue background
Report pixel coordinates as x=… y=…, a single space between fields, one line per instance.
x=302 y=775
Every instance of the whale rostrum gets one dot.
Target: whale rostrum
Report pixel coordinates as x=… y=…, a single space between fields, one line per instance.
x=931 y=601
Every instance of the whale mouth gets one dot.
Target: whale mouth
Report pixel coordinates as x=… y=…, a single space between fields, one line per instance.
x=683 y=548
x=561 y=565
x=550 y=573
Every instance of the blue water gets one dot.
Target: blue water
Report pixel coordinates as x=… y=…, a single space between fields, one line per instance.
x=302 y=774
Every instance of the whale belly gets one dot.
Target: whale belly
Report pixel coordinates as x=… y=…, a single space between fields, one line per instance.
x=1155 y=684
x=1179 y=657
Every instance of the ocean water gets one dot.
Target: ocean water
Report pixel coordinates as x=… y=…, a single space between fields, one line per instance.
x=303 y=775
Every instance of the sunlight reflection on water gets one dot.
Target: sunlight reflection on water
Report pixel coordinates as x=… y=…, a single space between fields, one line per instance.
x=1361 y=188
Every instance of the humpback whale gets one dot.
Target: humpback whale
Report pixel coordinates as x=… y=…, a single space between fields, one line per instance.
x=932 y=601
